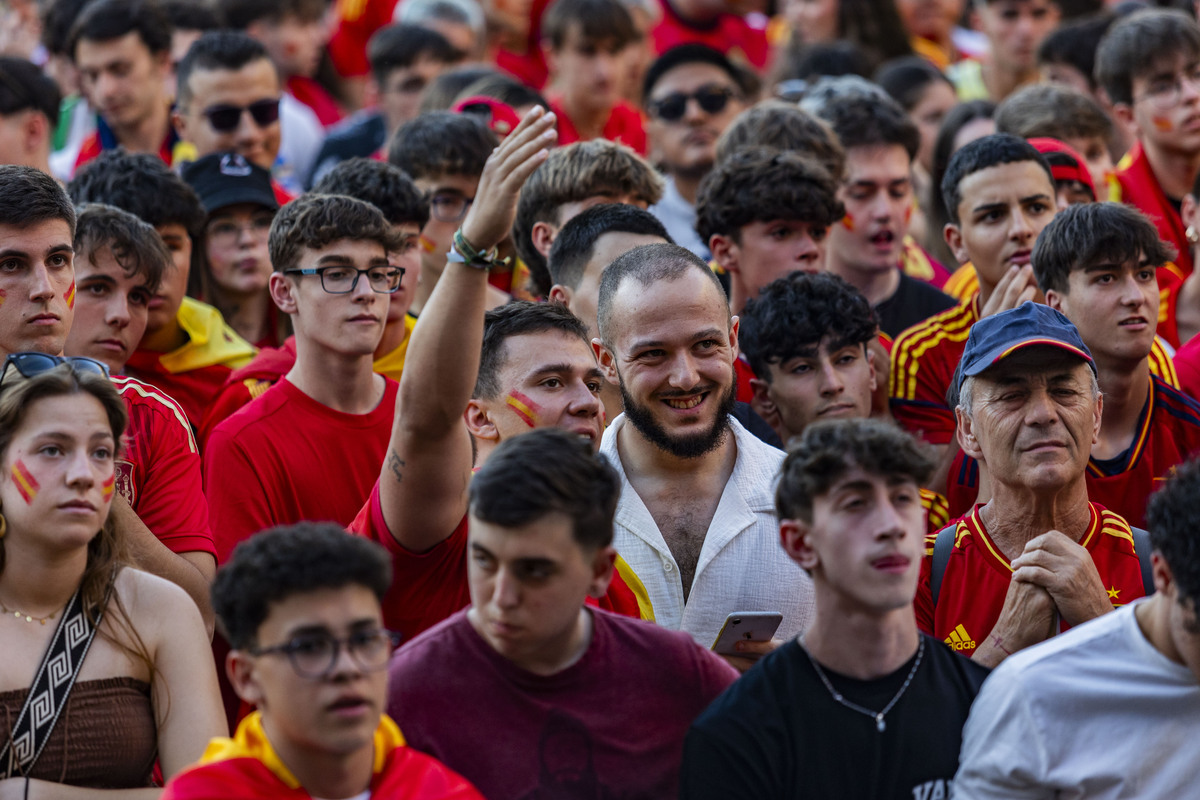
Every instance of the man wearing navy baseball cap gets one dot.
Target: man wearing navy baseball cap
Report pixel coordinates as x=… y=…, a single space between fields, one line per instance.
x=1038 y=556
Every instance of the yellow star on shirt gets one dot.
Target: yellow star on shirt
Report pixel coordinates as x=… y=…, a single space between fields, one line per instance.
x=1113 y=592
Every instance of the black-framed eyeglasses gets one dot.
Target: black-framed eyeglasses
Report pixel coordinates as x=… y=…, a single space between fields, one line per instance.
x=316 y=655
x=343 y=280
x=449 y=207
x=225 y=118
x=30 y=364
x=711 y=99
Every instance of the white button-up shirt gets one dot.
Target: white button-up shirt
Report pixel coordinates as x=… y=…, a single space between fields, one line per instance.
x=742 y=565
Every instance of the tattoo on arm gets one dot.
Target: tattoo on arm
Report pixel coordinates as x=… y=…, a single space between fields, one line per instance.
x=996 y=640
x=396 y=464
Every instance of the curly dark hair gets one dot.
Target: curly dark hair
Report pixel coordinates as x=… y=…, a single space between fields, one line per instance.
x=826 y=450
x=757 y=184
x=141 y=184
x=1173 y=518
x=317 y=220
x=383 y=185
x=442 y=143
x=134 y=244
x=796 y=312
x=288 y=560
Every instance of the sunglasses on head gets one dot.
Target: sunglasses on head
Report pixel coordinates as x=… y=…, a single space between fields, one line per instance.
x=225 y=118
x=30 y=364
x=672 y=107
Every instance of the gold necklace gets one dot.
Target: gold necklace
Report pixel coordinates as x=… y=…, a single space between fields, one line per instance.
x=28 y=617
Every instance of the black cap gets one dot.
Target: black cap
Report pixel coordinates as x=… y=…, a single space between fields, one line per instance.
x=225 y=179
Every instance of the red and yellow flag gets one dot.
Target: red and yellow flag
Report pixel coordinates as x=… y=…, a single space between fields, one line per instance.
x=26 y=484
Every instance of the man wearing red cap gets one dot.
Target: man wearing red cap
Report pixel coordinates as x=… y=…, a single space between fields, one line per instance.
x=1038 y=556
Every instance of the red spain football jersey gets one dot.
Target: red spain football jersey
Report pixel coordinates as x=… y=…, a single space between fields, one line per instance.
x=1168 y=433
x=924 y=358
x=158 y=471
x=743 y=39
x=431 y=586
x=286 y=458
x=977 y=577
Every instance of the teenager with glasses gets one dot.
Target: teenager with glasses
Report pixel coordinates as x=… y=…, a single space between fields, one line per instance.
x=310 y=447
x=229 y=100
x=444 y=153
x=132 y=683
x=1148 y=63
x=310 y=651
x=692 y=94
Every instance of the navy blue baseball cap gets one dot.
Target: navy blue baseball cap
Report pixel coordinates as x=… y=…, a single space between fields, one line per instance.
x=994 y=338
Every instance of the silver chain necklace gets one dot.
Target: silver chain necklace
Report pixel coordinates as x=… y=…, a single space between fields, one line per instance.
x=876 y=715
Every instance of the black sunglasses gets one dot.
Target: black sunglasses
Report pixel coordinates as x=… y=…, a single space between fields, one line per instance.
x=31 y=364
x=225 y=118
x=672 y=107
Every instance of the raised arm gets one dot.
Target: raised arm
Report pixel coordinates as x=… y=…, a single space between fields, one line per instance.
x=423 y=483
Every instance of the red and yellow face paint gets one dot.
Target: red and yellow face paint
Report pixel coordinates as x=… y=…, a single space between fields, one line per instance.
x=70 y=295
x=1162 y=125
x=107 y=488
x=848 y=222
x=426 y=243
x=26 y=484
x=524 y=407
x=3 y=296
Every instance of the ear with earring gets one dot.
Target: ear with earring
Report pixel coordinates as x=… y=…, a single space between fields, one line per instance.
x=1192 y=236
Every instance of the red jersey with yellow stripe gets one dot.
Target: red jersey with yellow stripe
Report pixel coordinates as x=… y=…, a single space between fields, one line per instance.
x=924 y=358
x=1168 y=433
x=247 y=767
x=158 y=470
x=1135 y=184
x=977 y=577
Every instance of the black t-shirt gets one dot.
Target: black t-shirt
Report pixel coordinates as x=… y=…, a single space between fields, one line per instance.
x=778 y=733
x=914 y=301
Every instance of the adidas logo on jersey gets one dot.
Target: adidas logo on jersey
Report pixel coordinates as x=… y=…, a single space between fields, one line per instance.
x=959 y=639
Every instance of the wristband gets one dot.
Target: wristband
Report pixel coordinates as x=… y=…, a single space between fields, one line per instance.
x=466 y=254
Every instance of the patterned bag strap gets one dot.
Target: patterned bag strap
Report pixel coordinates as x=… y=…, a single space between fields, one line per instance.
x=51 y=687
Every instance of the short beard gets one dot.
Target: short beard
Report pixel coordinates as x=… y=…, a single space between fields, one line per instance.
x=693 y=446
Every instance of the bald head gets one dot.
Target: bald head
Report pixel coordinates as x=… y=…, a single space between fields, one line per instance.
x=646 y=266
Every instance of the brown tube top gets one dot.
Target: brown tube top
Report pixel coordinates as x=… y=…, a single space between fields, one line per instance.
x=105 y=738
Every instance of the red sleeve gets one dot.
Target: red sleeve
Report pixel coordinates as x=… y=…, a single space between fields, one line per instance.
x=237 y=498
x=171 y=502
x=426 y=587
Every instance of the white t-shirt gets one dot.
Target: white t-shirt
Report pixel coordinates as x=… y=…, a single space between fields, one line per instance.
x=1097 y=712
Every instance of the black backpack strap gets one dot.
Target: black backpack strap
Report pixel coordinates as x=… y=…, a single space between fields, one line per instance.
x=1142 y=548
x=942 y=547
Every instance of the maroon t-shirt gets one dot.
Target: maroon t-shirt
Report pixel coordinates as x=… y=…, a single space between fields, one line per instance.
x=610 y=725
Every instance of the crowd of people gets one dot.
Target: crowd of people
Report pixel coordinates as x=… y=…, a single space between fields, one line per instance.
x=599 y=399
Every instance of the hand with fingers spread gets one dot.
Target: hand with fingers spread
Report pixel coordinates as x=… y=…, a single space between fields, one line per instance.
x=507 y=168
x=1017 y=286
x=1065 y=569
